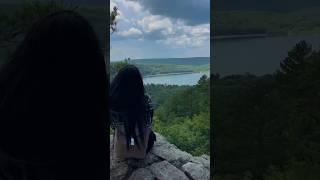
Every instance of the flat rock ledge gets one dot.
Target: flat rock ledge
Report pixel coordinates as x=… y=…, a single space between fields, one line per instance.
x=165 y=161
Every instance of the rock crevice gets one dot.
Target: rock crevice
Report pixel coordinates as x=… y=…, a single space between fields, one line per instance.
x=164 y=161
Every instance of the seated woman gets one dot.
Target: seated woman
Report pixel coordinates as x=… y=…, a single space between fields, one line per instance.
x=131 y=115
x=53 y=103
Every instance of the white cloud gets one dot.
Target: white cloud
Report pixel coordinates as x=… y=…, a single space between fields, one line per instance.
x=155 y=23
x=189 y=36
x=200 y=31
x=122 y=17
x=135 y=21
x=135 y=6
x=132 y=32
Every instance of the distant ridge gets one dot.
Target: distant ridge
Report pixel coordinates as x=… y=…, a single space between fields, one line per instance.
x=263 y=5
x=176 y=61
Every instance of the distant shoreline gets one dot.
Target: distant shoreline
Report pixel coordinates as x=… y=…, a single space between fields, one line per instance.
x=167 y=60
x=169 y=74
x=239 y=36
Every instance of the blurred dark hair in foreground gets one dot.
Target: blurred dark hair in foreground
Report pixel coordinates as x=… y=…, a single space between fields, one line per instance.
x=53 y=102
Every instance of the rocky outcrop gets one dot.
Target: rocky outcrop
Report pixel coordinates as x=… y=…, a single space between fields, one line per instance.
x=165 y=161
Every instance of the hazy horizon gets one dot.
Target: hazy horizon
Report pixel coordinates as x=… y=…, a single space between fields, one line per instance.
x=155 y=58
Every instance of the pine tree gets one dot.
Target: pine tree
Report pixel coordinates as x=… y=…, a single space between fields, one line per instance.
x=296 y=58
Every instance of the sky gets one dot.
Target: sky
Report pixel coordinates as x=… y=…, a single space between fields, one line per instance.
x=161 y=29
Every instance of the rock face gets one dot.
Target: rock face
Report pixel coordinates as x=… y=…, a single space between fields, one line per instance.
x=165 y=161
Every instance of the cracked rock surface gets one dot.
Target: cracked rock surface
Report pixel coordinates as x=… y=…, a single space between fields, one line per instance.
x=164 y=161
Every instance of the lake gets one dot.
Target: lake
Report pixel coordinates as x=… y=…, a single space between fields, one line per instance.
x=177 y=79
x=258 y=56
x=255 y=55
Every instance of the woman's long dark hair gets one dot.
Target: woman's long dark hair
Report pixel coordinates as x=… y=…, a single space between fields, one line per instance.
x=53 y=95
x=127 y=95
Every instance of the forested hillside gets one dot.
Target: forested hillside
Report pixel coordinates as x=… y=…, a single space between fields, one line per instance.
x=268 y=127
x=182 y=115
x=302 y=21
x=264 y=5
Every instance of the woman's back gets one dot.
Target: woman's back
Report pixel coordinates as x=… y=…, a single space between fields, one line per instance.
x=131 y=114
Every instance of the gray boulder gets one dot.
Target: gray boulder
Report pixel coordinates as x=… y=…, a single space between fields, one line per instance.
x=164 y=161
x=165 y=170
x=196 y=171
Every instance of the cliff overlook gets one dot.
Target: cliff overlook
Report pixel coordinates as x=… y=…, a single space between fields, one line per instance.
x=165 y=161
